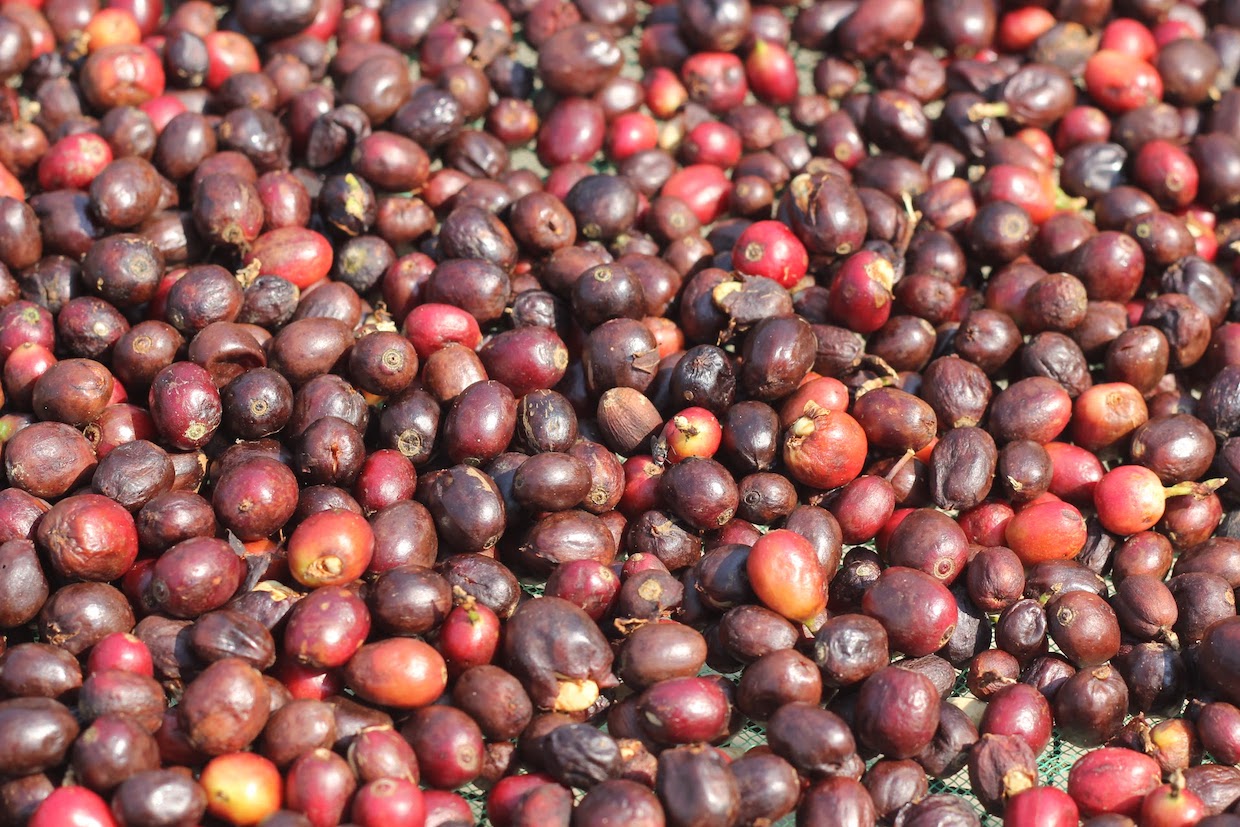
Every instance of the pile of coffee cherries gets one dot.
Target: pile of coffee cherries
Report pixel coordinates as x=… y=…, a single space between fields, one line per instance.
x=418 y=412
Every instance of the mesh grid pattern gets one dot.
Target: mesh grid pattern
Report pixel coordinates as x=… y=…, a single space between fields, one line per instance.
x=1055 y=761
x=1053 y=764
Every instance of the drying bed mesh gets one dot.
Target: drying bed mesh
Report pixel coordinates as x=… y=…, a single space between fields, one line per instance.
x=1053 y=764
x=1055 y=761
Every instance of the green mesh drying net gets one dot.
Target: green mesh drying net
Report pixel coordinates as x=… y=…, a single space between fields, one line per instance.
x=1058 y=757
x=1053 y=764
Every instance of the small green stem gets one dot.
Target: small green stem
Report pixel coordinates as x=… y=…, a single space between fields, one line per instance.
x=1180 y=489
x=817 y=621
x=981 y=111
